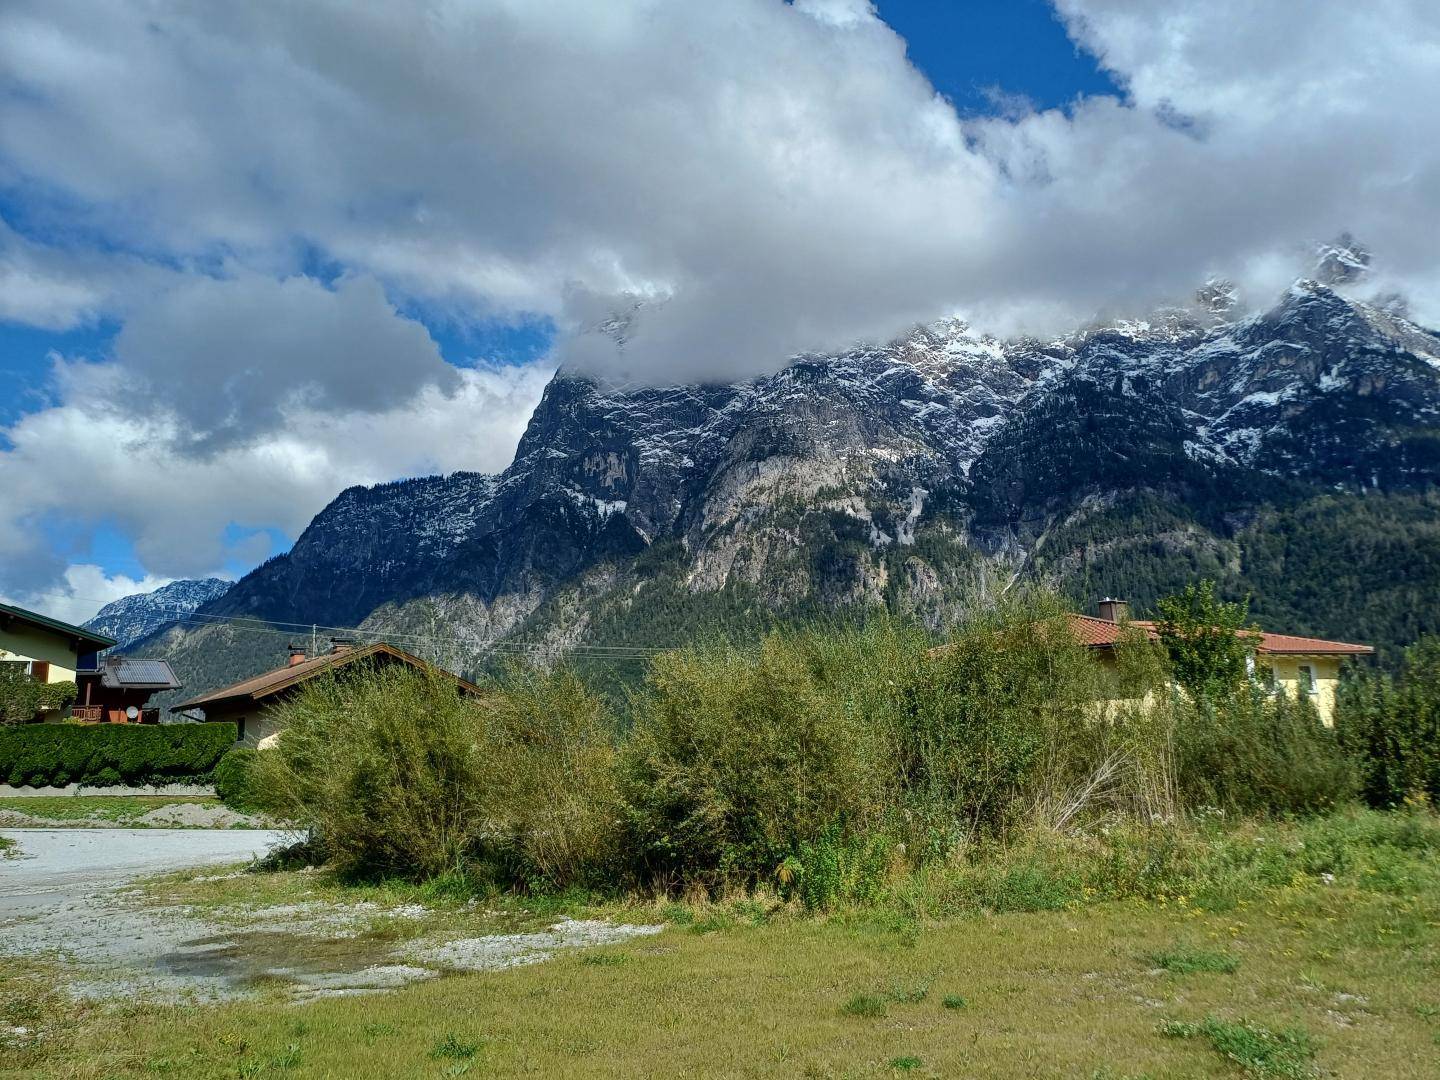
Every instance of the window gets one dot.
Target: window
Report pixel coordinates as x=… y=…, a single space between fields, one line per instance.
x=40 y=670
x=1308 y=685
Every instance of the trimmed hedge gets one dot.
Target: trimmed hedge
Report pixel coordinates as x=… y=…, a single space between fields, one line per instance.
x=36 y=755
x=234 y=778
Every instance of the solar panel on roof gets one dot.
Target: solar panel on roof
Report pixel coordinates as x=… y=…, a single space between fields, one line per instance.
x=125 y=671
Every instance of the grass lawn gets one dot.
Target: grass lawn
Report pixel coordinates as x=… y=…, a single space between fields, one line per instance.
x=119 y=810
x=1308 y=980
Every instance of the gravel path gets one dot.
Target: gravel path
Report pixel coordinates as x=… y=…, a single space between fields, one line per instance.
x=62 y=898
x=70 y=862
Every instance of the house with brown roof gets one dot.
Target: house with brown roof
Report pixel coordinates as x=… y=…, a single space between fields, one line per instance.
x=251 y=703
x=1298 y=666
x=117 y=690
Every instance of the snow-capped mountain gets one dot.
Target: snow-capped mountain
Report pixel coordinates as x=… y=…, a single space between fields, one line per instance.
x=918 y=475
x=131 y=618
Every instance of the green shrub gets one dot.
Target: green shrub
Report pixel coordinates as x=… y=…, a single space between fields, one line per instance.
x=387 y=767
x=1390 y=728
x=1013 y=719
x=556 y=808
x=1248 y=751
x=399 y=775
x=234 y=778
x=37 y=755
x=738 y=759
x=22 y=698
x=836 y=868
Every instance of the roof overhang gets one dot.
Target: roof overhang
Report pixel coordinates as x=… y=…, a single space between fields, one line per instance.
x=267 y=685
x=10 y=615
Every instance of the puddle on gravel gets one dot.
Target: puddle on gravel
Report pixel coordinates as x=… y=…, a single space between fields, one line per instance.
x=244 y=957
x=310 y=967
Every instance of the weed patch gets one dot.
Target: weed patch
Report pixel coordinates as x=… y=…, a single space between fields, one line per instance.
x=908 y=995
x=1182 y=961
x=865 y=1005
x=1287 y=1054
x=953 y=1001
x=604 y=959
x=454 y=1047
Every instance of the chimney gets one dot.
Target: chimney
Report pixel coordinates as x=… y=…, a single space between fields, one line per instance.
x=297 y=654
x=1114 y=610
x=341 y=644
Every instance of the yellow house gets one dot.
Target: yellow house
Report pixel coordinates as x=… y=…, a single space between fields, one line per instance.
x=49 y=650
x=1299 y=666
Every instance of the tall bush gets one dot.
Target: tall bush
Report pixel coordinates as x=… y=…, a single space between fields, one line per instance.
x=387 y=766
x=22 y=698
x=398 y=774
x=1252 y=751
x=235 y=778
x=738 y=758
x=555 y=808
x=1389 y=727
x=1014 y=717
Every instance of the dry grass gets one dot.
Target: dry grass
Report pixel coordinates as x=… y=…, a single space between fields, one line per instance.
x=1046 y=994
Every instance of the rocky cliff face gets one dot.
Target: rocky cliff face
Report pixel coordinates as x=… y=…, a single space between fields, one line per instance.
x=915 y=474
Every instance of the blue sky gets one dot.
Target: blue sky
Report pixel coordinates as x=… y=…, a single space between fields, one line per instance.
x=968 y=48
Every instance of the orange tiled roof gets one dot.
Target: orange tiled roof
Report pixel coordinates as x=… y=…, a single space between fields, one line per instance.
x=1289 y=643
x=1102 y=634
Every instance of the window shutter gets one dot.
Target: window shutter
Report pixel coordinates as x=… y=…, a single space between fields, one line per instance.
x=40 y=670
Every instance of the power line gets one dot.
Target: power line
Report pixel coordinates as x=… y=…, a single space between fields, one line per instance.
x=514 y=648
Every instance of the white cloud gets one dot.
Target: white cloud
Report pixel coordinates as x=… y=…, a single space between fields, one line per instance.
x=231 y=357
x=88 y=464
x=778 y=172
x=767 y=177
x=83 y=590
x=59 y=289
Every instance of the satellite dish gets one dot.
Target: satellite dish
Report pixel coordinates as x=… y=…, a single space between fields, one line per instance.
x=132 y=712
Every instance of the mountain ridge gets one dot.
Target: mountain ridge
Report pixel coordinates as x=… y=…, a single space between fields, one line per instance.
x=139 y=615
x=918 y=475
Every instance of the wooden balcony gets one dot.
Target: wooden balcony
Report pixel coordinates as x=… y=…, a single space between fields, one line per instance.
x=87 y=714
